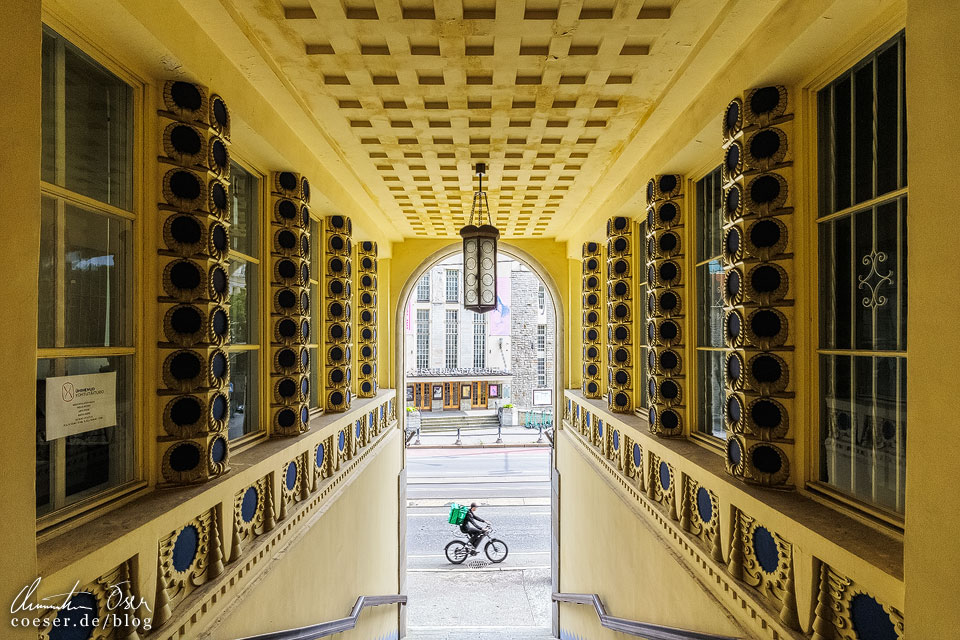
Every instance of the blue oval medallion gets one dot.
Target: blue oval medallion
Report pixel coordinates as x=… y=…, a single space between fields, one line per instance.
x=637 y=456
x=765 y=548
x=869 y=619
x=319 y=455
x=704 y=505
x=664 y=476
x=248 y=507
x=219 y=450
x=734 y=454
x=600 y=428
x=185 y=548
x=291 y=479
x=341 y=441
x=357 y=429
x=616 y=440
x=81 y=605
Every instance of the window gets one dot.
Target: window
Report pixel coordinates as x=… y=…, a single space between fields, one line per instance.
x=541 y=371
x=479 y=341
x=423 y=338
x=541 y=338
x=541 y=297
x=453 y=331
x=423 y=288
x=453 y=285
x=710 y=347
x=863 y=279
x=641 y=284
x=86 y=300
x=316 y=334
x=243 y=270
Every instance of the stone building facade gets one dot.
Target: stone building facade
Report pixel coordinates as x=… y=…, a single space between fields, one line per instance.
x=533 y=339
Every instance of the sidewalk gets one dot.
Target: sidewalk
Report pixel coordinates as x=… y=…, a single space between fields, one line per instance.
x=486 y=437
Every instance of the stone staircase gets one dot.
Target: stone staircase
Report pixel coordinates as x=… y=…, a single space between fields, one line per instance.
x=451 y=422
x=478 y=633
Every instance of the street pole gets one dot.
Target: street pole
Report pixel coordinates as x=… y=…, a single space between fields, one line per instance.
x=540 y=439
x=499 y=439
x=458 y=437
x=418 y=435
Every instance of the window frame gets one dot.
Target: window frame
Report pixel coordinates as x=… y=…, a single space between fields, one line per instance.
x=452 y=277
x=261 y=318
x=317 y=335
x=425 y=335
x=423 y=288
x=451 y=335
x=479 y=350
x=844 y=66
x=91 y=506
x=715 y=443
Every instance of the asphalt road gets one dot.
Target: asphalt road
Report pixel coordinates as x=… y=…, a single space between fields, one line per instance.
x=512 y=487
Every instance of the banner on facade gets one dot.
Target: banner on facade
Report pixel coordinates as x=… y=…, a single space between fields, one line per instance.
x=81 y=403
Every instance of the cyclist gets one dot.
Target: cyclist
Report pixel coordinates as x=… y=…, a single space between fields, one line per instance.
x=471 y=527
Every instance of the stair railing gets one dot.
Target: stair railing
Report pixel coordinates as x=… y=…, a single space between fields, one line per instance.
x=325 y=629
x=632 y=627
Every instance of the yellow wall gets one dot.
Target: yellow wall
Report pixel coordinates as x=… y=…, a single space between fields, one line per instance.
x=348 y=551
x=932 y=560
x=608 y=549
x=19 y=242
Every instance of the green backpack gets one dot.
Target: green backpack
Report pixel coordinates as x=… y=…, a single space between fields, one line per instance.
x=458 y=513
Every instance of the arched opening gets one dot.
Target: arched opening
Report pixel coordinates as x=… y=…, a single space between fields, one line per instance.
x=513 y=485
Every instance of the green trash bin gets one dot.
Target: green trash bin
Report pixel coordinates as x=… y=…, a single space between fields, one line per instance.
x=458 y=513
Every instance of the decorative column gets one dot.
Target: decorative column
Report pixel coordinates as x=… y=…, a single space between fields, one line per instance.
x=665 y=293
x=592 y=318
x=620 y=349
x=758 y=305
x=290 y=312
x=195 y=375
x=367 y=321
x=338 y=341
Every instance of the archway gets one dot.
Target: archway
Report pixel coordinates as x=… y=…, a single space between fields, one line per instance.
x=399 y=349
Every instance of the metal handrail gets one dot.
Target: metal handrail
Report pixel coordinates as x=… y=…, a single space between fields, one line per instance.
x=334 y=626
x=632 y=627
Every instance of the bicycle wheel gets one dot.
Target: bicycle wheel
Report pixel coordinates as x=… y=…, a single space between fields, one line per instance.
x=456 y=552
x=496 y=550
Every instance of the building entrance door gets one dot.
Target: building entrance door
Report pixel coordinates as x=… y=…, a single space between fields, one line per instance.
x=421 y=395
x=451 y=395
x=478 y=395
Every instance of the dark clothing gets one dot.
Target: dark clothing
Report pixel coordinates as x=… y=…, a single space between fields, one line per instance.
x=471 y=527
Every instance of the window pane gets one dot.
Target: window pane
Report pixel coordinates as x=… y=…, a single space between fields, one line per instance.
x=89 y=462
x=863 y=427
x=888 y=124
x=863 y=131
x=90 y=304
x=710 y=404
x=244 y=210
x=243 y=394
x=48 y=107
x=314 y=378
x=709 y=221
x=243 y=302
x=92 y=111
x=710 y=304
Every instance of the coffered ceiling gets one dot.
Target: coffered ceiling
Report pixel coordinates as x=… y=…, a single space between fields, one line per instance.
x=412 y=93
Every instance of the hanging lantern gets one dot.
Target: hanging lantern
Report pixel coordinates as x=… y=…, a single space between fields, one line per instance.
x=480 y=254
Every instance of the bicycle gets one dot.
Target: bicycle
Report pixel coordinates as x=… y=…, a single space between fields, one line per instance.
x=457 y=550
